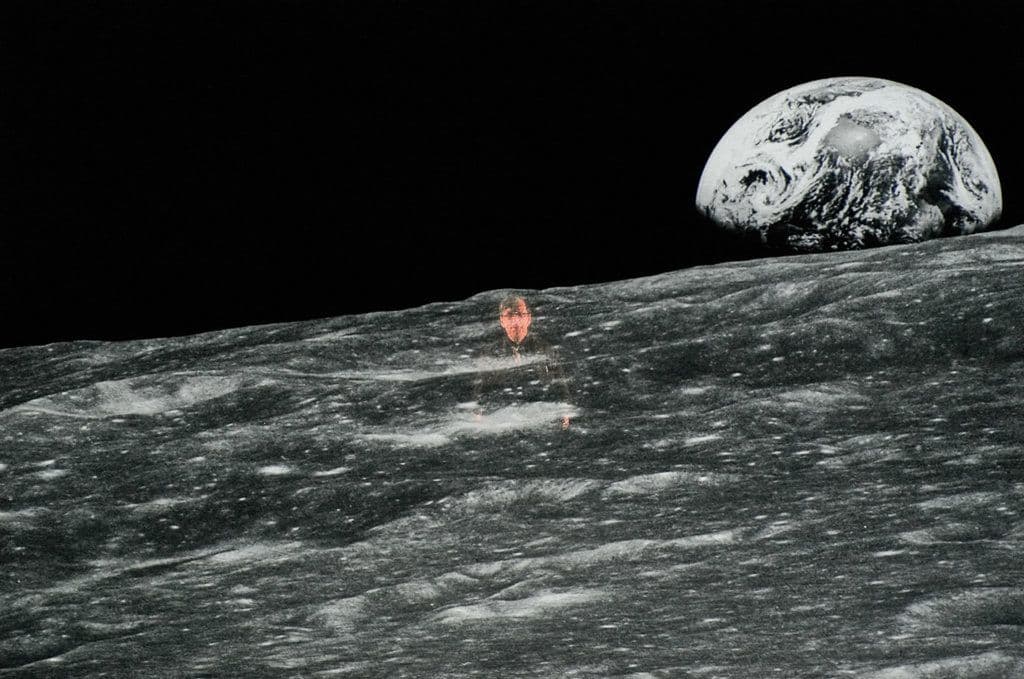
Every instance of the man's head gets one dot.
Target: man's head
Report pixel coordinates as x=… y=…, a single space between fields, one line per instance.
x=515 y=317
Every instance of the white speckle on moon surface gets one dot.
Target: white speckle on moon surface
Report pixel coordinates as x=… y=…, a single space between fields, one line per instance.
x=275 y=470
x=661 y=481
x=524 y=417
x=22 y=515
x=703 y=438
x=342 y=615
x=961 y=500
x=51 y=474
x=502 y=495
x=544 y=603
x=158 y=504
x=693 y=391
x=165 y=394
x=268 y=552
x=426 y=439
x=331 y=472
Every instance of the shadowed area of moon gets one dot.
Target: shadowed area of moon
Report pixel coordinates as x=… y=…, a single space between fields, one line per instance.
x=798 y=467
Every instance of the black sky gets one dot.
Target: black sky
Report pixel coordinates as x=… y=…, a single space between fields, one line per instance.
x=177 y=167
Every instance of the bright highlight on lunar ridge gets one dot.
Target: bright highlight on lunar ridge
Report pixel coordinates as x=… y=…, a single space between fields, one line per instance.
x=848 y=163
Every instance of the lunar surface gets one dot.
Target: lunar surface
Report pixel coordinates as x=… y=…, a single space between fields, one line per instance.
x=797 y=467
x=848 y=163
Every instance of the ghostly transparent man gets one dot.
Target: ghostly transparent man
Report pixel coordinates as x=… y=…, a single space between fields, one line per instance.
x=526 y=369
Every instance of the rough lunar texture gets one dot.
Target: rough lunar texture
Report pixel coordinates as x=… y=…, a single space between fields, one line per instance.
x=847 y=163
x=800 y=467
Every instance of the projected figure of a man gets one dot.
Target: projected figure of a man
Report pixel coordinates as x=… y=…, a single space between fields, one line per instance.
x=515 y=318
x=535 y=373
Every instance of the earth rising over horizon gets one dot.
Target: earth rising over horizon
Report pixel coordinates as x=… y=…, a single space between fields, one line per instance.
x=849 y=163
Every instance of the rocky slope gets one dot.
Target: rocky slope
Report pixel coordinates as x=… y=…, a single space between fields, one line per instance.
x=798 y=467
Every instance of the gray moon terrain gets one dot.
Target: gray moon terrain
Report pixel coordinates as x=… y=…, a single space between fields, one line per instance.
x=797 y=467
x=848 y=163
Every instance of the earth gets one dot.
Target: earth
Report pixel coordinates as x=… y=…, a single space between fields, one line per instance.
x=848 y=163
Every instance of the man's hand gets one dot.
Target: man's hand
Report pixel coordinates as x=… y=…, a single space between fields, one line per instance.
x=565 y=421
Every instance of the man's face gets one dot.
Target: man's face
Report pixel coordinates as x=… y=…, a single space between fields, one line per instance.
x=515 y=319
